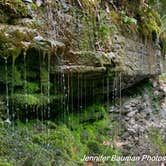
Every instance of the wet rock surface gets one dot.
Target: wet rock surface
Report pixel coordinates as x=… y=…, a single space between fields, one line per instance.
x=60 y=56
x=56 y=32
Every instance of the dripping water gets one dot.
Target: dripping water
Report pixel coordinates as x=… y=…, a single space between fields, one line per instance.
x=25 y=92
x=25 y=88
x=72 y=100
x=68 y=95
x=120 y=94
x=81 y=91
x=48 y=98
x=78 y=95
x=7 y=91
x=103 y=90
x=85 y=92
x=43 y=108
x=108 y=92
x=12 y=93
x=114 y=97
x=64 y=95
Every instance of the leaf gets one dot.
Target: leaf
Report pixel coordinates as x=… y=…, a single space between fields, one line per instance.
x=133 y=20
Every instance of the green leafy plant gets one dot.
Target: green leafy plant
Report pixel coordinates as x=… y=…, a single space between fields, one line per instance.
x=163 y=33
x=157 y=140
x=129 y=20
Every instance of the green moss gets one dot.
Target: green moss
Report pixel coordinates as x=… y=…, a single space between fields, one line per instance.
x=34 y=7
x=14 y=8
x=157 y=141
x=135 y=17
x=32 y=87
x=3 y=17
x=89 y=115
x=14 y=76
x=61 y=138
x=4 y=162
x=93 y=113
x=149 y=22
x=23 y=99
x=43 y=143
x=92 y=136
x=11 y=41
x=41 y=148
x=20 y=100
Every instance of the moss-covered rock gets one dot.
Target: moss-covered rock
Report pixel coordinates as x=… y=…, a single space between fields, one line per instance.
x=40 y=144
x=13 y=8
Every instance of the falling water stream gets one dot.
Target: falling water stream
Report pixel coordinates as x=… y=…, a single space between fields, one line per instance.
x=7 y=91
x=74 y=87
x=108 y=93
x=12 y=94
x=85 y=92
x=43 y=111
x=48 y=98
x=65 y=80
x=71 y=99
x=66 y=90
x=26 y=95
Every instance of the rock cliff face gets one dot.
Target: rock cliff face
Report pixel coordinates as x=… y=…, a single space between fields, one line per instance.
x=142 y=122
x=62 y=63
x=72 y=51
x=131 y=57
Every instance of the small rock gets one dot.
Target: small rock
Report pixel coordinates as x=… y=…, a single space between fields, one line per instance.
x=156 y=93
x=39 y=38
x=131 y=114
x=131 y=130
x=132 y=121
x=7 y=121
